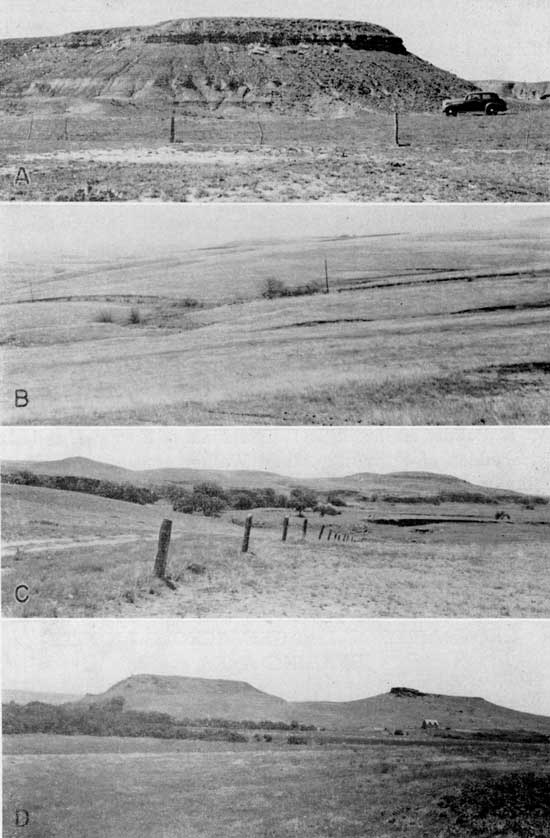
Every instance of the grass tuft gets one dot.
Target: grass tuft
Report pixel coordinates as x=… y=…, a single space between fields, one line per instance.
x=105 y=316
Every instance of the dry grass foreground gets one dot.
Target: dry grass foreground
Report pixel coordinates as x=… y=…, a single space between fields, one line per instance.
x=416 y=330
x=83 y=555
x=107 y=788
x=109 y=156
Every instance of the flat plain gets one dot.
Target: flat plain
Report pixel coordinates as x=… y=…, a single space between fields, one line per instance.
x=113 y=153
x=428 y=328
x=107 y=788
x=88 y=556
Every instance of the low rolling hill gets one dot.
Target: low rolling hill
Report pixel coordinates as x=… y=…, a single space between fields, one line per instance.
x=415 y=485
x=195 y=698
x=401 y=707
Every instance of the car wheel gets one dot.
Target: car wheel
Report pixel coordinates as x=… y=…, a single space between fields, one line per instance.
x=491 y=110
x=450 y=111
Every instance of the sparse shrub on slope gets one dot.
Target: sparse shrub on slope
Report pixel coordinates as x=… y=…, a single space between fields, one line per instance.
x=275 y=288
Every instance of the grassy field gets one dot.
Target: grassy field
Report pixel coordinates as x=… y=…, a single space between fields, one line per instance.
x=417 y=329
x=95 y=151
x=120 y=789
x=82 y=555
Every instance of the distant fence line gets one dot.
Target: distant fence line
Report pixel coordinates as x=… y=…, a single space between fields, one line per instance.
x=324 y=530
x=258 y=127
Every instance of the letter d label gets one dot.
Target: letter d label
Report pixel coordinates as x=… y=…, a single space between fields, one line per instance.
x=21 y=817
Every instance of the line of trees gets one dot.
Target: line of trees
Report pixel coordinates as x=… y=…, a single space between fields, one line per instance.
x=109 y=718
x=208 y=498
x=458 y=497
x=211 y=499
x=88 y=485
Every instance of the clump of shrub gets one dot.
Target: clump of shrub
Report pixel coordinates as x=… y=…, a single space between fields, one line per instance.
x=105 y=316
x=234 y=82
x=186 y=302
x=326 y=509
x=187 y=82
x=211 y=499
x=135 y=316
x=335 y=500
x=276 y=288
x=302 y=498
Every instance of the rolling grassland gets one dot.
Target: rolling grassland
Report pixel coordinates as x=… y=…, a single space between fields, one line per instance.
x=83 y=555
x=416 y=329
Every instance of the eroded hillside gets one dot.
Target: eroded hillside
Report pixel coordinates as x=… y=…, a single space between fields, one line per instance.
x=227 y=63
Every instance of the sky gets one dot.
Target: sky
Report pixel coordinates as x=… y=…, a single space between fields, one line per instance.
x=30 y=232
x=505 y=457
x=504 y=661
x=476 y=39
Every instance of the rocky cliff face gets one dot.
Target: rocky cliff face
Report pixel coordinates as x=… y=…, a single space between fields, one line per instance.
x=276 y=33
x=283 y=65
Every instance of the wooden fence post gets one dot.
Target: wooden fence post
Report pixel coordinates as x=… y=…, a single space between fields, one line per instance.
x=304 y=528
x=246 y=536
x=396 y=128
x=285 y=528
x=260 y=129
x=173 y=127
x=329 y=535
x=162 y=550
x=326 y=278
x=321 y=531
